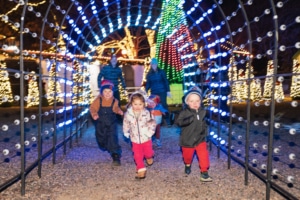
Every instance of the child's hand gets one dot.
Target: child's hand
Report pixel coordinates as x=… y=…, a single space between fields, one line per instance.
x=120 y=112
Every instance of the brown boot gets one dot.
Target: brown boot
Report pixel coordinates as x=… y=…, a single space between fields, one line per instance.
x=141 y=174
x=149 y=161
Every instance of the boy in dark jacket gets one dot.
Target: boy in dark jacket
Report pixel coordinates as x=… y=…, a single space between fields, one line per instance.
x=194 y=133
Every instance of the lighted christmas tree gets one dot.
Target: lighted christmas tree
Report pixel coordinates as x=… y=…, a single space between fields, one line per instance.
x=255 y=87
x=232 y=75
x=255 y=90
x=278 y=93
x=123 y=93
x=268 y=81
x=33 y=91
x=174 y=42
x=295 y=84
x=77 y=87
x=87 y=92
x=241 y=93
x=54 y=89
x=6 y=97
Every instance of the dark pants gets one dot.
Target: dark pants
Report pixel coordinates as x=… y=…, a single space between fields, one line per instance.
x=107 y=137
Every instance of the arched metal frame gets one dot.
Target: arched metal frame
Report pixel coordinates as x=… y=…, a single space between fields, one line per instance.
x=86 y=41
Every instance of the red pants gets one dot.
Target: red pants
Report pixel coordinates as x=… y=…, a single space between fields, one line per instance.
x=202 y=153
x=141 y=151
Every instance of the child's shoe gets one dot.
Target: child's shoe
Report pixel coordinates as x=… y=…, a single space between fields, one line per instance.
x=157 y=142
x=187 y=169
x=149 y=161
x=204 y=177
x=141 y=174
x=116 y=159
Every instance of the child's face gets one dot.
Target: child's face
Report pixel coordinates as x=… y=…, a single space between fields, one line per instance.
x=107 y=93
x=194 y=101
x=137 y=105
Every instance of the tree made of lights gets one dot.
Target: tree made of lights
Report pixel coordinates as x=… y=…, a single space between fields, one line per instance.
x=295 y=89
x=278 y=93
x=33 y=90
x=232 y=75
x=77 y=87
x=5 y=87
x=241 y=93
x=123 y=93
x=255 y=90
x=173 y=45
x=54 y=89
x=255 y=86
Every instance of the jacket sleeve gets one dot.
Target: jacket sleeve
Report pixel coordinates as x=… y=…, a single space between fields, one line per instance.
x=126 y=126
x=116 y=108
x=94 y=107
x=184 y=118
x=166 y=82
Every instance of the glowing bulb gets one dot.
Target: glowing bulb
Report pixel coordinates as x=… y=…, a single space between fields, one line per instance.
x=4 y=128
x=276 y=150
x=266 y=123
x=26 y=143
x=17 y=146
x=290 y=179
x=294 y=103
x=292 y=156
x=277 y=125
x=5 y=152
x=292 y=131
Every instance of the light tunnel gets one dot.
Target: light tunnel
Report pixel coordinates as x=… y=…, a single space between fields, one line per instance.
x=255 y=42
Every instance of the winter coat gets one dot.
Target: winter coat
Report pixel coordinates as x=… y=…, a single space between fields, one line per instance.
x=95 y=106
x=157 y=112
x=114 y=74
x=141 y=129
x=193 y=127
x=157 y=82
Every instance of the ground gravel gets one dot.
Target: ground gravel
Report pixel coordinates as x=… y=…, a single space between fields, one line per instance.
x=86 y=173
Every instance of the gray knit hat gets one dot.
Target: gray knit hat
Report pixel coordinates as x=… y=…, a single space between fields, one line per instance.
x=194 y=90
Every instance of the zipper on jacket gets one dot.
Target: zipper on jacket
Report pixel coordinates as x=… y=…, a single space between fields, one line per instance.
x=137 y=123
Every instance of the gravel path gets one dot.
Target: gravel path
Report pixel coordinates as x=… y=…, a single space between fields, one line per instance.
x=86 y=173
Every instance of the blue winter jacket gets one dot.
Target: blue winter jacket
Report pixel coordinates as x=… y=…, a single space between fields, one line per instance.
x=157 y=81
x=114 y=74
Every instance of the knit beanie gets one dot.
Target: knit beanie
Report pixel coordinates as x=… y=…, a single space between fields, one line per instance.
x=194 y=90
x=155 y=98
x=154 y=61
x=106 y=84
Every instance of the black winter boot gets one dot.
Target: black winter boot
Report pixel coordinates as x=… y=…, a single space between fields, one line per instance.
x=116 y=159
x=187 y=169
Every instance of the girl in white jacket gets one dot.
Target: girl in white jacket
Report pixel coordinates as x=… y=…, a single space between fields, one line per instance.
x=139 y=126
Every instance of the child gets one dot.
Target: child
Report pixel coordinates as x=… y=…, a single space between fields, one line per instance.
x=104 y=109
x=157 y=111
x=194 y=133
x=139 y=127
